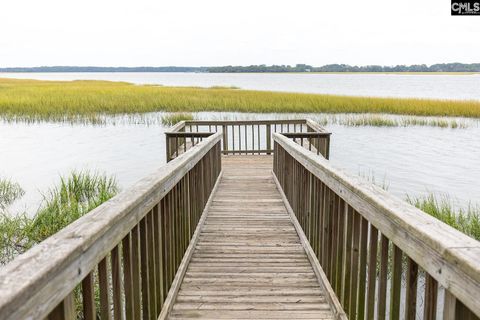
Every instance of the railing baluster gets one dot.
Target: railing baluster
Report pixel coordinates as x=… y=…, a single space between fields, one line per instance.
x=340 y=245
x=362 y=268
x=151 y=265
x=136 y=272
x=116 y=283
x=225 y=138
x=463 y=313
x=88 y=297
x=258 y=139
x=144 y=269
x=127 y=276
x=104 y=289
x=246 y=138
x=372 y=273
x=268 y=136
x=157 y=228
x=411 y=290
x=324 y=224
x=395 y=286
x=345 y=298
x=333 y=238
x=431 y=289
x=164 y=240
x=449 y=304
x=253 y=139
x=354 y=270
x=382 y=280
x=233 y=139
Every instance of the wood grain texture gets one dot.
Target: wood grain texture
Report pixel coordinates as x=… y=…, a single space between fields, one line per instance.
x=447 y=255
x=249 y=262
x=33 y=284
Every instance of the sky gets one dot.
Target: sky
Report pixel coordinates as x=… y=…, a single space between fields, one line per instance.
x=234 y=32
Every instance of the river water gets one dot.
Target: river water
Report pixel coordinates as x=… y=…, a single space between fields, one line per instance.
x=462 y=87
x=411 y=160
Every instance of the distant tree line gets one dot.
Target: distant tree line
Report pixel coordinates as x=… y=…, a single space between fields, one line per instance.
x=103 y=69
x=441 y=67
x=262 y=68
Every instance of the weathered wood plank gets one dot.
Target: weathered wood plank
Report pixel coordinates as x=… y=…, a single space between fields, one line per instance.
x=446 y=254
x=249 y=262
x=36 y=282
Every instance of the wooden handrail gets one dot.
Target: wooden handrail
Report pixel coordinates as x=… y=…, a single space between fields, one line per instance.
x=306 y=134
x=246 y=136
x=343 y=216
x=189 y=134
x=317 y=141
x=178 y=127
x=146 y=228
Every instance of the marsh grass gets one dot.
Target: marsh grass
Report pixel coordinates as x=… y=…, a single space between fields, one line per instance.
x=373 y=120
x=76 y=195
x=440 y=207
x=465 y=220
x=33 y=100
x=9 y=192
x=170 y=119
x=369 y=120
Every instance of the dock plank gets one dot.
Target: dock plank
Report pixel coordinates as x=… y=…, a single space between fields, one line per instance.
x=249 y=262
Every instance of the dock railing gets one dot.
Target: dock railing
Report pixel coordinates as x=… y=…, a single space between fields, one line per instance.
x=119 y=260
x=246 y=136
x=368 y=242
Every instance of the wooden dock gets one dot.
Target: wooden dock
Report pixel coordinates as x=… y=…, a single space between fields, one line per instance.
x=248 y=220
x=249 y=262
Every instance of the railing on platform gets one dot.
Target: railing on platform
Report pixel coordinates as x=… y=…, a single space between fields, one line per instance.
x=369 y=242
x=119 y=260
x=246 y=136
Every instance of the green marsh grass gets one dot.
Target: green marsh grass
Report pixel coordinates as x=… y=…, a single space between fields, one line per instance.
x=34 y=100
x=465 y=220
x=373 y=120
x=9 y=192
x=170 y=119
x=441 y=207
x=73 y=197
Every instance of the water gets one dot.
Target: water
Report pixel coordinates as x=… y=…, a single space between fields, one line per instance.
x=413 y=160
x=36 y=155
x=459 y=87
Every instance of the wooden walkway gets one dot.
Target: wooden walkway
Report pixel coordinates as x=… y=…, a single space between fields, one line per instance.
x=249 y=262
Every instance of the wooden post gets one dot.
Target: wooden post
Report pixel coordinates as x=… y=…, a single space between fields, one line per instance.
x=269 y=138
x=88 y=295
x=167 y=147
x=225 y=139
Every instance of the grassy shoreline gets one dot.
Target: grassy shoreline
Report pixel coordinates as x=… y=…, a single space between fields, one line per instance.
x=36 y=100
x=74 y=196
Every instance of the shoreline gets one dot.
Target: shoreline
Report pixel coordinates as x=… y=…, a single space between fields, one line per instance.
x=283 y=73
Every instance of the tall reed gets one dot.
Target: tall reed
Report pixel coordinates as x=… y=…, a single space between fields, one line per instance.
x=9 y=192
x=465 y=220
x=76 y=195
